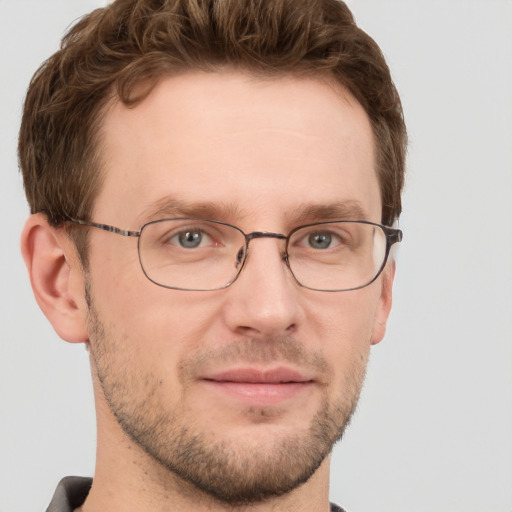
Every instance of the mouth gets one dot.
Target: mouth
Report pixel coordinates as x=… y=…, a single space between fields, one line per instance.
x=259 y=387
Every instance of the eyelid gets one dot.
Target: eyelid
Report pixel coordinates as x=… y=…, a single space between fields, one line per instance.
x=339 y=233
x=215 y=231
x=178 y=230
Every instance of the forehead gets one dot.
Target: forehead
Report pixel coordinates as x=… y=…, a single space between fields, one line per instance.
x=248 y=146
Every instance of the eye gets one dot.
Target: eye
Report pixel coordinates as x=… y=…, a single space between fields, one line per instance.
x=320 y=240
x=190 y=239
x=332 y=237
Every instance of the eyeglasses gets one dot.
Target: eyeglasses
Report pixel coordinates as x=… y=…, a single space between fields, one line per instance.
x=205 y=255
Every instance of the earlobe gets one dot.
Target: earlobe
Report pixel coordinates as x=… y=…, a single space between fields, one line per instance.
x=56 y=277
x=385 y=302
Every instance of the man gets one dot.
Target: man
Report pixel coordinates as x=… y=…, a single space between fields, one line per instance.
x=213 y=187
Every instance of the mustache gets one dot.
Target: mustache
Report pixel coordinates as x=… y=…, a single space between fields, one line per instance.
x=285 y=350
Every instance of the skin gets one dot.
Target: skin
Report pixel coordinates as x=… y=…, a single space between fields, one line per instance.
x=261 y=154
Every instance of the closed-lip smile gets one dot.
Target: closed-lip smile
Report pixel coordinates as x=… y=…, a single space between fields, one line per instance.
x=256 y=386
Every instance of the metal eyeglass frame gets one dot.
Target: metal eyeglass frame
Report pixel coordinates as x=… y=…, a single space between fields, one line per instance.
x=393 y=236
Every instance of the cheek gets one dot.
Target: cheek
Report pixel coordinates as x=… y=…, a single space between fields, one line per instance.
x=159 y=327
x=345 y=316
x=342 y=324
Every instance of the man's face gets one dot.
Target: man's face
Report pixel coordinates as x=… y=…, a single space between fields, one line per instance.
x=240 y=391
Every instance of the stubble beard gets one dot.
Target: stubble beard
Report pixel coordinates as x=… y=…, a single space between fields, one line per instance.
x=233 y=473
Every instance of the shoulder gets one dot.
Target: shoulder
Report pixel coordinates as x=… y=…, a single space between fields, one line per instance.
x=70 y=494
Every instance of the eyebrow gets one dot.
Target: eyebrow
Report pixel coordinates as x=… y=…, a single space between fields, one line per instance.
x=342 y=210
x=170 y=207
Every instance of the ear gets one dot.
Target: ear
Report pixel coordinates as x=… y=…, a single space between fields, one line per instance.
x=56 y=277
x=384 y=305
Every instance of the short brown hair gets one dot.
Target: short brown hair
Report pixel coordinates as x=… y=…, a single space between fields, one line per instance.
x=135 y=42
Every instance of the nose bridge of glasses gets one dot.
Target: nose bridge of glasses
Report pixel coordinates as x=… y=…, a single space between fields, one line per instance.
x=264 y=262
x=264 y=234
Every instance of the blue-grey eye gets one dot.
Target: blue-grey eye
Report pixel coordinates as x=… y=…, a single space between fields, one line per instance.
x=190 y=239
x=320 y=240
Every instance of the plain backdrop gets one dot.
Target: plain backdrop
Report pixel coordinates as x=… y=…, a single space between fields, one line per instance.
x=433 y=431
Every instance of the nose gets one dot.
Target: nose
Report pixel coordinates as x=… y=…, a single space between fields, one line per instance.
x=263 y=301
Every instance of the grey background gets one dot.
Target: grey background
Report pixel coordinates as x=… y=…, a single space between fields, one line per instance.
x=433 y=431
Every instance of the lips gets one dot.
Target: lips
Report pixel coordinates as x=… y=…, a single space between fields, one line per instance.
x=279 y=375
x=259 y=387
